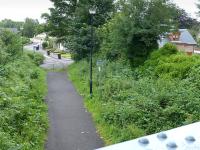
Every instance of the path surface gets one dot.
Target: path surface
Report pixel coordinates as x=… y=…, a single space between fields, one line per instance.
x=52 y=61
x=71 y=125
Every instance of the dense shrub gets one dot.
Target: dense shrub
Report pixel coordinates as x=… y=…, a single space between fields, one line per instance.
x=23 y=113
x=26 y=40
x=36 y=58
x=167 y=62
x=44 y=45
x=163 y=93
x=10 y=43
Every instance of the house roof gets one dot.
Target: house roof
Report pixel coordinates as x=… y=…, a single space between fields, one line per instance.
x=186 y=37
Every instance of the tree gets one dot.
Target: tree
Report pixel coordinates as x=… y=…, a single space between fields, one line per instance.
x=134 y=31
x=69 y=21
x=184 y=20
x=40 y=28
x=29 y=28
x=7 y=23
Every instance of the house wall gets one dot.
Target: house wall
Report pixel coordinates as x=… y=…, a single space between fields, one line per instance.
x=186 y=47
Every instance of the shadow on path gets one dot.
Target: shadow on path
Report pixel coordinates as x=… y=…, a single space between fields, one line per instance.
x=71 y=126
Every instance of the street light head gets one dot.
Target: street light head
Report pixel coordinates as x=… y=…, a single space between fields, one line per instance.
x=92 y=11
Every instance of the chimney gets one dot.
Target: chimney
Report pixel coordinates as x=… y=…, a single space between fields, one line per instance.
x=175 y=36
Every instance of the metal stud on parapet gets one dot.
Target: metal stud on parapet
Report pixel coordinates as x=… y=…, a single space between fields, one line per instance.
x=162 y=136
x=171 y=145
x=182 y=138
x=143 y=141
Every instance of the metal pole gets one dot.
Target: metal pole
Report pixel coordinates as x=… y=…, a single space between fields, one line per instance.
x=91 y=49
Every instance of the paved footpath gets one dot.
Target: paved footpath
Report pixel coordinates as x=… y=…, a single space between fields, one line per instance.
x=71 y=126
x=52 y=61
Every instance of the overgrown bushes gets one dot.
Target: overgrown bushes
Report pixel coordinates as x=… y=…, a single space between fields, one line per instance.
x=44 y=45
x=36 y=58
x=131 y=102
x=23 y=112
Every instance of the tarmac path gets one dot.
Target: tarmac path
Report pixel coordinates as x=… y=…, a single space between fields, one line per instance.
x=71 y=126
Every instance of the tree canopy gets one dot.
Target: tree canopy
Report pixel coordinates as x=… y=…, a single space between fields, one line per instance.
x=133 y=26
x=134 y=31
x=30 y=27
x=70 y=22
x=7 y=23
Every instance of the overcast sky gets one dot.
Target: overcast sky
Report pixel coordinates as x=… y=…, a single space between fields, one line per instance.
x=188 y=5
x=18 y=10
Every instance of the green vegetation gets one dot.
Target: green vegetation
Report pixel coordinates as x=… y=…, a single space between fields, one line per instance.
x=140 y=90
x=23 y=112
x=132 y=102
x=7 y=23
x=70 y=22
x=44 y=45
x=28 y=28
x=67 y=55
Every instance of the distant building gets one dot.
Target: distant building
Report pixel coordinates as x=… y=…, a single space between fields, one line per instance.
x=40 y=38
x=182 y=39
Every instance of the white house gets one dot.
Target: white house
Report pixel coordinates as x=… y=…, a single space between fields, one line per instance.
x=40 y=38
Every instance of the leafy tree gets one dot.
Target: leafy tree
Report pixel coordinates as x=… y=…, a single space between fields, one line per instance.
x=69 y=21
x=134 y=31
x=29 y=28
x=185 y=21
x=7 y=23
x=40 y=28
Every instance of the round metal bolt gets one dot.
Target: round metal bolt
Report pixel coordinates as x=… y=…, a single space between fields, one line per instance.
x=144 y=141
x=190 y=139
x=172 y=145
x=162 y=136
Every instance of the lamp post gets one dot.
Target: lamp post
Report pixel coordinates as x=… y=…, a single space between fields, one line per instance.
x=92 y=12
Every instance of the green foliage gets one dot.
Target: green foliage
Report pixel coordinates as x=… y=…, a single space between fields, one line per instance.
x=25 y=40
x=7 y=23
x=167 y=63
x=71 y=23
x=23 y=112
x=44 y=45
x=133 y=32
x=168 y=49
x=36 y=58
x=128 y=103
x=10 y=43
x=30 y=27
